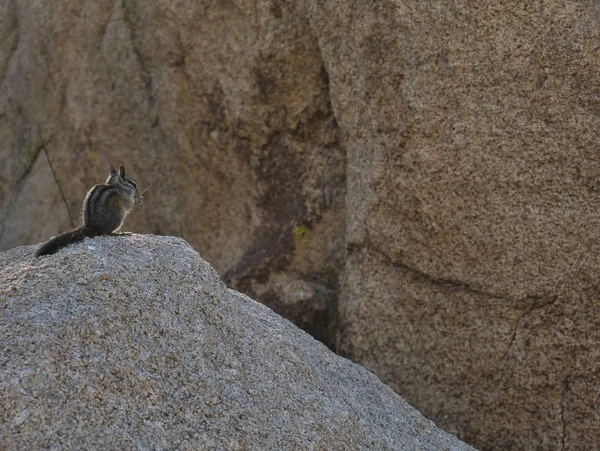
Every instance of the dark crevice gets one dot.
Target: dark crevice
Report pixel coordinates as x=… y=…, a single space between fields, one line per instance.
x=437 y=281
x=534 y=301
x=563 y=408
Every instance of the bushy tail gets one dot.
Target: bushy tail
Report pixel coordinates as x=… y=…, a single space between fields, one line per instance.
x=64 y=239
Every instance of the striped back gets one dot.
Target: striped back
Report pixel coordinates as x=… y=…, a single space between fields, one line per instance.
x=94 y=202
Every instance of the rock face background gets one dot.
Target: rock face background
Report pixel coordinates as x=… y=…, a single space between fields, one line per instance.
x=134 y=342
x=415 y=183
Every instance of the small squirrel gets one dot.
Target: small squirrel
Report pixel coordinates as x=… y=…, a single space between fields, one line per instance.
x=104 y=210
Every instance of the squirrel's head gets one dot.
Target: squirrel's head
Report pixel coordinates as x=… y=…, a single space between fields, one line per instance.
x=126 y=186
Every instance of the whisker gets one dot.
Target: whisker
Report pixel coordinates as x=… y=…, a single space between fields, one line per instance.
x=145 y=190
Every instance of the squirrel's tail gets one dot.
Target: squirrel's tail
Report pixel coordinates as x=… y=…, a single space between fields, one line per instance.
x=64 y=239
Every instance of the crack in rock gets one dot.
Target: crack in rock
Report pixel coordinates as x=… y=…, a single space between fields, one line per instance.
x=42 y=147
x=563 y=407
x=534 y=301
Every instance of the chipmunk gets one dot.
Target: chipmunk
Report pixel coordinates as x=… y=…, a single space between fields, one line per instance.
x=104 y=210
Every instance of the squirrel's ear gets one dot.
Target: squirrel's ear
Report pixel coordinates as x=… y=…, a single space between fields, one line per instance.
x=122 y=171
x=111 y=170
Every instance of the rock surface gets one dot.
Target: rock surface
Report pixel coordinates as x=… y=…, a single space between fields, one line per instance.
x=438 y=157
x=134 y=342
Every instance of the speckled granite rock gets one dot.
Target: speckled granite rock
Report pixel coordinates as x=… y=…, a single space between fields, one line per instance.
x=135 y=343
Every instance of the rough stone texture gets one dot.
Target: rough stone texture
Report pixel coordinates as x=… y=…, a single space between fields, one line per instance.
x=463 y=136
x=135 y=343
